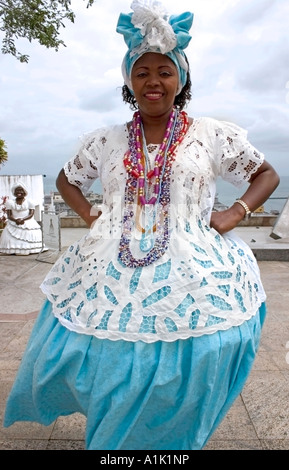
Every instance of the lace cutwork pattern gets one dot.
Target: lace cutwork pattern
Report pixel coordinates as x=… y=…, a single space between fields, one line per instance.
x=203 y=283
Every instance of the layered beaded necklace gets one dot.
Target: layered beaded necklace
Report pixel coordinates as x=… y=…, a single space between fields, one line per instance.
x=140 y=179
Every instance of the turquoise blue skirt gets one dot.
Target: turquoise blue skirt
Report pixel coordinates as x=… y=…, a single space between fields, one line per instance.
x=158 y=396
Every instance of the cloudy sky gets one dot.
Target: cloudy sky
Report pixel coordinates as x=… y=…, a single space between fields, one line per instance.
x=239 y=65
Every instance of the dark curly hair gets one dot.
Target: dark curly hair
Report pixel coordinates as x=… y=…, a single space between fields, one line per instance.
x=181 y=100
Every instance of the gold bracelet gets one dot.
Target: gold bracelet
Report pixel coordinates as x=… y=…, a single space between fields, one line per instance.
x=244 y=205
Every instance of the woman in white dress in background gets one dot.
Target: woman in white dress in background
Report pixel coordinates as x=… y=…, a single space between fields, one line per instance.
x=22 y=234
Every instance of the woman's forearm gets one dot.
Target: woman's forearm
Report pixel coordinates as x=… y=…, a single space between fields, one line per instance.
x=29 y=216
x=262 y=184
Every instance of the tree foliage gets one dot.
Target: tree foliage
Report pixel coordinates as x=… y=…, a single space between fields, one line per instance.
x=39 y=20
x=3 y=152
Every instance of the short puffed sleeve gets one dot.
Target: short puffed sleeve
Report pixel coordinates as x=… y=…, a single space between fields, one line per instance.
x=237 y=158
x=83 y=169
x=31 y=204
x=9 y=204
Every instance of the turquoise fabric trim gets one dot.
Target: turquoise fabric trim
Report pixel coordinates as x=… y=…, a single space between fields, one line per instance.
x=133 y=37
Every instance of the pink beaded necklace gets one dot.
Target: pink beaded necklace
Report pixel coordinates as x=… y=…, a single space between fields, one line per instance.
x=136 y=168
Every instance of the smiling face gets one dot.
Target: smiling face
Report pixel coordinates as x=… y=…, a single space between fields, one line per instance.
x=155 y=82
x=19 y=192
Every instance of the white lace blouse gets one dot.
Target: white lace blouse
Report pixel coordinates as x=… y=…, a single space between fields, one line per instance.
x=202 y=283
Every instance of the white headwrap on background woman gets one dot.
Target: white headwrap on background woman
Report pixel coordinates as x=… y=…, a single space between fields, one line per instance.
x=19 y=184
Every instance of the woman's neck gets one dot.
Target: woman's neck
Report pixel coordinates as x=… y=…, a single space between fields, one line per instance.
x=19 y=200
x=154 y=127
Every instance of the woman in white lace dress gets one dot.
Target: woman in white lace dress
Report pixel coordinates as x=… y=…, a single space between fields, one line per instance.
x=22 y=234
x=152 y=319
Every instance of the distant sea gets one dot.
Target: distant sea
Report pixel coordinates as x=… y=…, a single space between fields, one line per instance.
x=225 y=191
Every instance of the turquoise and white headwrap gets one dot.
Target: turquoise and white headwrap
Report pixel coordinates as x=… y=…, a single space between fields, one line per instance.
x=150 y=29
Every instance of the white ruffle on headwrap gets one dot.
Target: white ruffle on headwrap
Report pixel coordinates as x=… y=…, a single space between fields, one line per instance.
x=152 y=20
